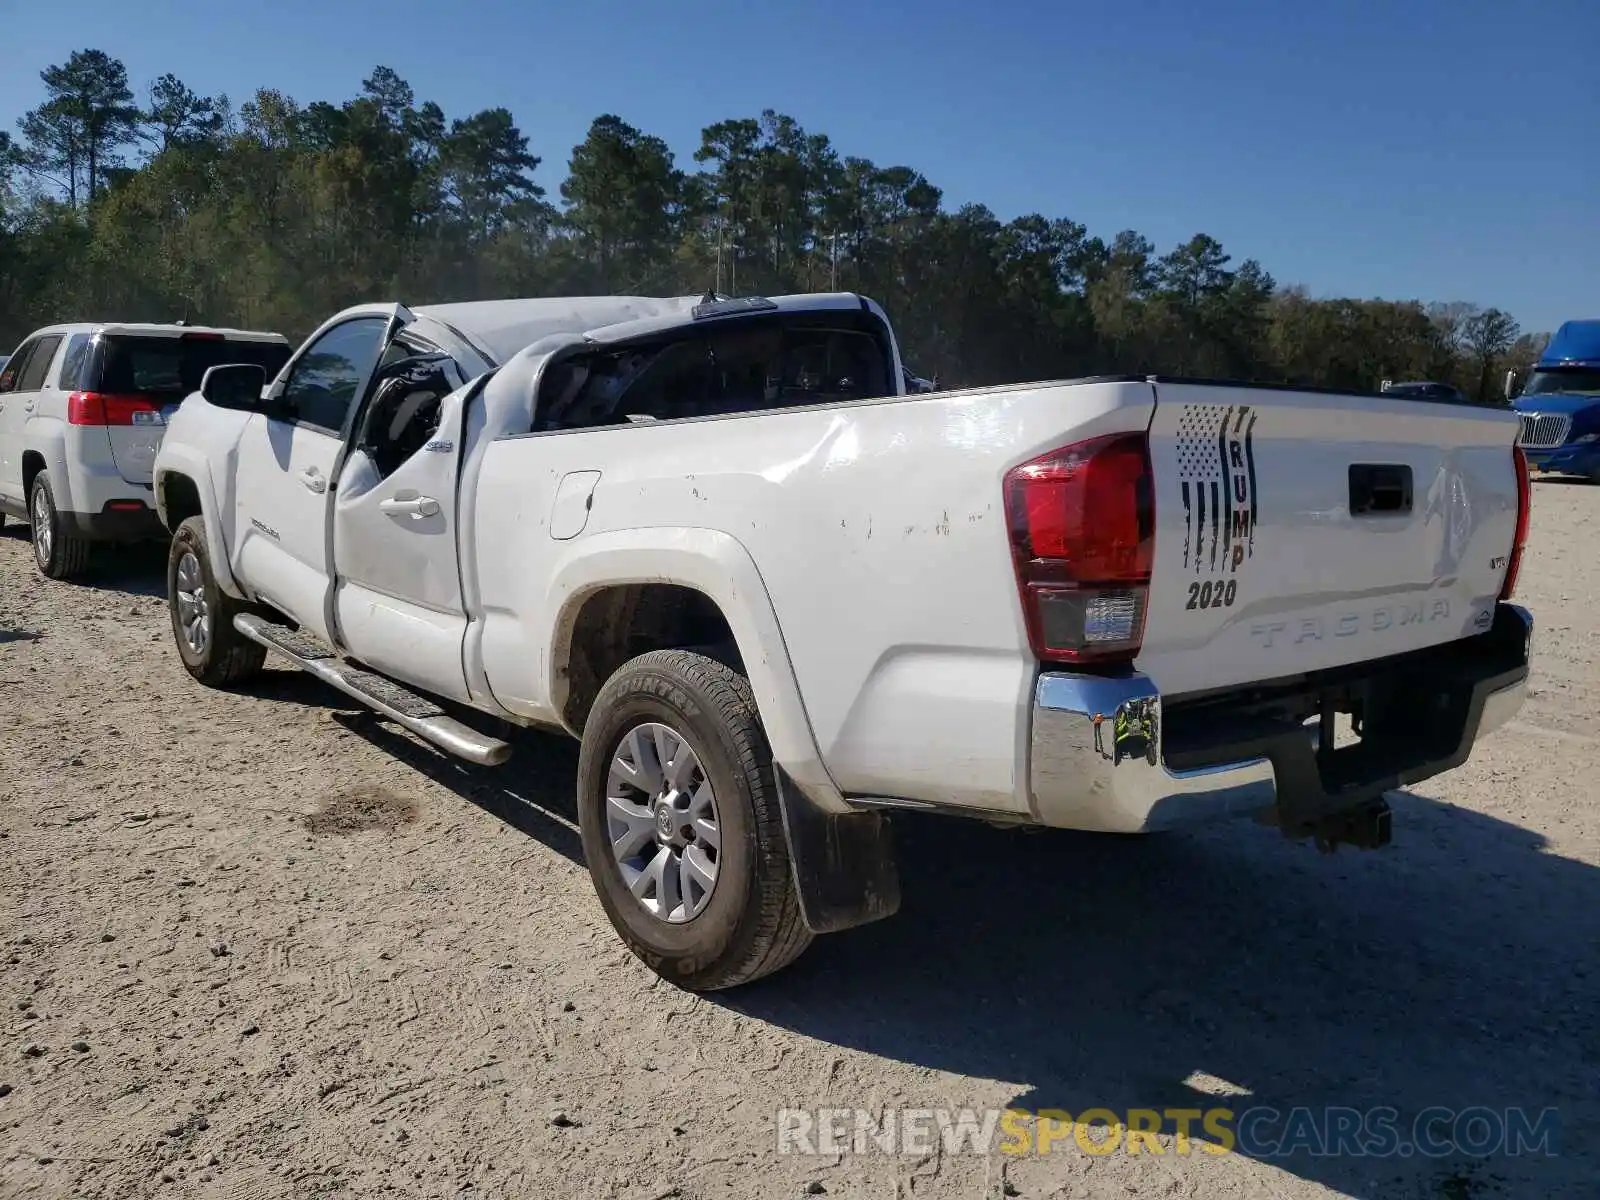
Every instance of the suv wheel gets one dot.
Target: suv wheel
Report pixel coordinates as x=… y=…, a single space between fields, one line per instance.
x=681 y=826
x=213 y=651
x=60 y=553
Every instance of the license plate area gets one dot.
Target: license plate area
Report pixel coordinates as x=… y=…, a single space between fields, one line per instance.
x=1413 y=714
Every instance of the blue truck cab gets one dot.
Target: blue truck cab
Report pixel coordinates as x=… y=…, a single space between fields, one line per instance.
x=1559 y=403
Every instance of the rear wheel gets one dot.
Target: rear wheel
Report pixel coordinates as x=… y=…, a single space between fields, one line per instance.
x=681 y=826
x=212 y=650
x=59 y=552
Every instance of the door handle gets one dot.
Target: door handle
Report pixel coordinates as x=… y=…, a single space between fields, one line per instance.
x=313 y=480
x=415 y=507
x=28 y=407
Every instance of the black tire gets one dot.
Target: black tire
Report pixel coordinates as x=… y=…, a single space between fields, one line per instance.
x=751 y=923
x=60 y=553
x=227 y=656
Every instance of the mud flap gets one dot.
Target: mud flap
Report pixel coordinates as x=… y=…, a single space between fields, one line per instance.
x=844 y=863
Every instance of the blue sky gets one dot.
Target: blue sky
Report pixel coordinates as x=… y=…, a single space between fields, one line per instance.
x=1408 y=149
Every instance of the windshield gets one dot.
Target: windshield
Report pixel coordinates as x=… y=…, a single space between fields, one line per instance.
x=1585 y=380
x=174 y=366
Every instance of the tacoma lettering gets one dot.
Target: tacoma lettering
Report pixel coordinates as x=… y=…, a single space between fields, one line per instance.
x=1269 y=634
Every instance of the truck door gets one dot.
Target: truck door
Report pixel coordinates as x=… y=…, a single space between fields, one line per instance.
x=398 y=579
x=288 y=459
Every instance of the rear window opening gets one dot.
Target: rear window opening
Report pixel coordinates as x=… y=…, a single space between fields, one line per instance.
x=719 y=369
x=171 y=366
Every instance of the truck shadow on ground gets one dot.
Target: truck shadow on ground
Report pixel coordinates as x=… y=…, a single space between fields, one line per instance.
x=533 y=794
x=1458 y=968
x=139 y=569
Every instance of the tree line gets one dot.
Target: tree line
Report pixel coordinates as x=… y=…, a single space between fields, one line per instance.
x=274 y=214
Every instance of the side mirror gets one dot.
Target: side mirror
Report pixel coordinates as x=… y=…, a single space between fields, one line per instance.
x=1511 y=384
x=234 y=385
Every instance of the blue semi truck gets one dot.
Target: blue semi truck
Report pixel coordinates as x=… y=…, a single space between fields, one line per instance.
x=1559 y=403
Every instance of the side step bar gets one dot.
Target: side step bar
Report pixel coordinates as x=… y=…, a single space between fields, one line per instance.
x=401 y=705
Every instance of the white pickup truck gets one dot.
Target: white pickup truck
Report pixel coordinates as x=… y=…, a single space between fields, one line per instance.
x=775 y=596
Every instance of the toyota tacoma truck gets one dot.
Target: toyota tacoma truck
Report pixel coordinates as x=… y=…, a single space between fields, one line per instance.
x=777 y=598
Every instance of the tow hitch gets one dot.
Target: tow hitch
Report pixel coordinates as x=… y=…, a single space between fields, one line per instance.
x=1368 y=827
x=1365 y=826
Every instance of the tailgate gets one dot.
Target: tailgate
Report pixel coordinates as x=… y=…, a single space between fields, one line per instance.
x=134 y=446
x=1297 y=531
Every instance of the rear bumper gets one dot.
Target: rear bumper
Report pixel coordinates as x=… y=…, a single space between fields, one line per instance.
x=122 y=523
x=1104 y=759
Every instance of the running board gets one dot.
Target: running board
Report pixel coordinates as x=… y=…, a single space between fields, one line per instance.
x=401 y=705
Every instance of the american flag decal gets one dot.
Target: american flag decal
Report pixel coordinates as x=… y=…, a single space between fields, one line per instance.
x=1217 y=481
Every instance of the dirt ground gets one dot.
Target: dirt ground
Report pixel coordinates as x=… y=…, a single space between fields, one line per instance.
x=261 y=945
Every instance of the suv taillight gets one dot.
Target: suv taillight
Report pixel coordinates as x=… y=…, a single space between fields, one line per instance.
x=1082 y=523
x=97 y=408
x=1524 y=504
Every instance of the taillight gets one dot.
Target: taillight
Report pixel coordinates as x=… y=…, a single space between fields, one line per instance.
x=1524 y=504
x=201 y=337
x=97 y=408
x=1082 y=523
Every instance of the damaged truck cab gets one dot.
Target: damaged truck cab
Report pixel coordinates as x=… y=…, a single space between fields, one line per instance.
x=777 y=598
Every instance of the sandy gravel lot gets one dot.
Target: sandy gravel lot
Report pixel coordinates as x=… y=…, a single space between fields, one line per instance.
x=262 y=945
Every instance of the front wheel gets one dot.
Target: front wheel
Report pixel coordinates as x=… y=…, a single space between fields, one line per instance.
x=213 y=651
x=681 y=825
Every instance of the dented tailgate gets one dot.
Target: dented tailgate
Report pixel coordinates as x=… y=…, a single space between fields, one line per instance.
x=1297 y=531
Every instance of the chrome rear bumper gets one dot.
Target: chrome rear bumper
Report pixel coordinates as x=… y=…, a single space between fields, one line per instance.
x=1097 y=760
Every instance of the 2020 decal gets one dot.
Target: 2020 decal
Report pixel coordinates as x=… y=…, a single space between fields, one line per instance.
x=1217 y=480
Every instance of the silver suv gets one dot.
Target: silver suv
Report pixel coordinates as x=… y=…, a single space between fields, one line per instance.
x=82 y=411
